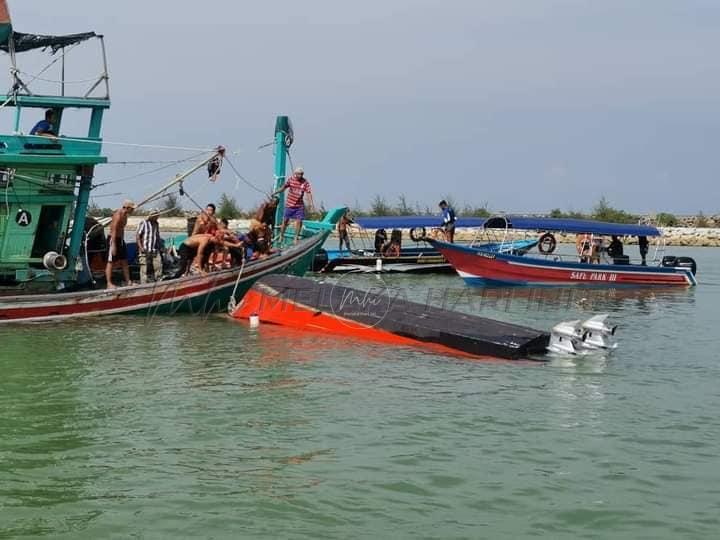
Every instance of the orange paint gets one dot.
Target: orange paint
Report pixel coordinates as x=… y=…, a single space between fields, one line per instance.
x=287 y=313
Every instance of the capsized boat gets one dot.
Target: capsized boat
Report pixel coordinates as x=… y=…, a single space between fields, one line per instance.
x=44 y=270
x=382 y=316
x=417 y=257
x=595 y=265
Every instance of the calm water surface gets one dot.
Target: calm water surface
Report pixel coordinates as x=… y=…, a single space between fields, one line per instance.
x=189 y=428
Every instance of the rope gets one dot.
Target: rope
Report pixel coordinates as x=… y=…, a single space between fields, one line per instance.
x=151 y=171
x=16 y=71
x=38 y=78
x=242 y=178
x=135 y=145
x=232 y=304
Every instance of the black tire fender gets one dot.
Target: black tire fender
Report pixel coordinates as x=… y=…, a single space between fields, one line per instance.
x=547 y=243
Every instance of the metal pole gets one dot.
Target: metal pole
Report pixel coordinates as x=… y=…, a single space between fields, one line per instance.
x=106 y=76
x=62 y=73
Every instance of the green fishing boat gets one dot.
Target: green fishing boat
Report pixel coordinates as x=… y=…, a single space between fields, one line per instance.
x=46 y=178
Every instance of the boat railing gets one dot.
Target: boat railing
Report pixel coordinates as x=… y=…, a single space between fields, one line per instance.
x=92 y=87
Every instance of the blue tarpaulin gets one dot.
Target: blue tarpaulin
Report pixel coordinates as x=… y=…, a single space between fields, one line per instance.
x=579 y=226
x=408 y=222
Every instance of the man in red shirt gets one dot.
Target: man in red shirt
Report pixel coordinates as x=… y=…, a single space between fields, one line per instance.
x=297 y=186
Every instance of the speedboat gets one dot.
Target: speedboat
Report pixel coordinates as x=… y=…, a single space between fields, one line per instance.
x=595 y=265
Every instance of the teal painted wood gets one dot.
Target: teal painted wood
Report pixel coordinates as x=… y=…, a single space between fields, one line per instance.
x=280 y=166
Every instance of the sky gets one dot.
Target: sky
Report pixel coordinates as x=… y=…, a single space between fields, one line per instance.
x=520 y=105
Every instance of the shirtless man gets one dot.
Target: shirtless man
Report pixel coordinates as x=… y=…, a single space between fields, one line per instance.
x=191 y=253
x=206 y=222
x=117 y=253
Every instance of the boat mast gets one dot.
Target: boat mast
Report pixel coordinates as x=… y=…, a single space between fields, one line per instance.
x=283 y=140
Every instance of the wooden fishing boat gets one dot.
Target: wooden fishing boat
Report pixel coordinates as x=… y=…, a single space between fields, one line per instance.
x=478 y=266
x=46 y=182
x=415 y=255
x=379 y=315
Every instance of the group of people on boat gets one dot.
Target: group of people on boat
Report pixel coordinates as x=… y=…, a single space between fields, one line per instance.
x=211 y=245
x=391 y=247
x=590 y=248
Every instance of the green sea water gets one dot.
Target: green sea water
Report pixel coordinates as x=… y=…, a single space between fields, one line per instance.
x=129 y=427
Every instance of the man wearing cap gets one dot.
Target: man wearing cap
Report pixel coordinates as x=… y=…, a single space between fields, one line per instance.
x=296 y=186
x=117 y=251
x=148 y=244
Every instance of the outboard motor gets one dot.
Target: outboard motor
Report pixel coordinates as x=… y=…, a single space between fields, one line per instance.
x=680 y=262
x=587 y=337
x=55 y=262
x=320 y=260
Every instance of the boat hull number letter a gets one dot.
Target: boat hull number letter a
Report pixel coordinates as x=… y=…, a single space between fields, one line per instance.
x=23 y=218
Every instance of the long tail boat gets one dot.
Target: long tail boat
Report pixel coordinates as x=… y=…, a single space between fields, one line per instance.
x=415 y=255
x=45 y=185
x=593 y=265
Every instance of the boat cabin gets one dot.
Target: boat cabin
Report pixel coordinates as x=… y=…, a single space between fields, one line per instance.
x=45 y=180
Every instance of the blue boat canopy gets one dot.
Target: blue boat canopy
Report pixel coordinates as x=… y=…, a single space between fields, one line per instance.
x=570 y=226
x=408 y=222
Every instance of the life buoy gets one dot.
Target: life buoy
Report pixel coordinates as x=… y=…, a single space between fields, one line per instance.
x=417 y=234
x=547 y=243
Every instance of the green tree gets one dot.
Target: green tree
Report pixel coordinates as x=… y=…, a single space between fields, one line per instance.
x=171 y=206
x=380 y=207
x=664 y=219
x=228 y=208
x=403 y=208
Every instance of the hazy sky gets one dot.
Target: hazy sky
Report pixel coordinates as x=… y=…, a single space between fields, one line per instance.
x=526 y=105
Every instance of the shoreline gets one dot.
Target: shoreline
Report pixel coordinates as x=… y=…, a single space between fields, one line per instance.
x=674 y=236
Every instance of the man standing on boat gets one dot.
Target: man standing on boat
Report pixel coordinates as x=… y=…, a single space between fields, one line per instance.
x=297 y=186
x=117 y=252
x=449 y=220
x=342 y=228
x=148 y=243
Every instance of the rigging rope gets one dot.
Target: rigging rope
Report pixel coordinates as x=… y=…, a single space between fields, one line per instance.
x=242 y=178
x=151 y=171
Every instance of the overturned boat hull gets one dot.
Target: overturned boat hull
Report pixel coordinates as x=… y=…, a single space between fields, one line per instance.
x=381 y=316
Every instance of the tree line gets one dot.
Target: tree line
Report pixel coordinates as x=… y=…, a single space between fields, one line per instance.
x=228 y=208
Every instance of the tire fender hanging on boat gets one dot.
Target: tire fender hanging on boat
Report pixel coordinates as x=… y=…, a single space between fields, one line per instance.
x=547 y=243
x=417 y=234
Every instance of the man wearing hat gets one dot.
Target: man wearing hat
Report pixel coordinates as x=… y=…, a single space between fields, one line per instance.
x=117 y=250
x=296 y=186
x=148 y=244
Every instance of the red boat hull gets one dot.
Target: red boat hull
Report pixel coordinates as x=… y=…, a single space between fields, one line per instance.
x=477 y=267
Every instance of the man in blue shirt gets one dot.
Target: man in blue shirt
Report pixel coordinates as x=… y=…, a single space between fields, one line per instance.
x=449 y=220
x=45 y=128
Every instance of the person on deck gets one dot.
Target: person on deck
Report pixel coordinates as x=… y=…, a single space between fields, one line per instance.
x=191 y=253
x=297 y=186
x=380 y=239
x=258 y=240
x=343 y=232
x=46 y=127
x=583 y=245
x=266 y=212
x=643 y=245
x=615 y=248
x=148 y=241
x=206 y=222
x=117 y=250
x=449 y=220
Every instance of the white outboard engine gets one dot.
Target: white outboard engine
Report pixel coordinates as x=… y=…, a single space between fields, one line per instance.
x=597 y=335
x=55 y=262
x=564 y=337
x=586 y=337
